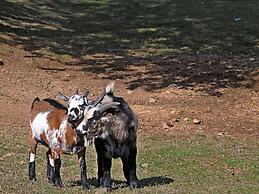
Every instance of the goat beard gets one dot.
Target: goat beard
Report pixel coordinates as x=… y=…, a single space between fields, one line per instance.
x=95 y=130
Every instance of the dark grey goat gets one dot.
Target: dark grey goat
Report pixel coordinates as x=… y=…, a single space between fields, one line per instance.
x=115 y=132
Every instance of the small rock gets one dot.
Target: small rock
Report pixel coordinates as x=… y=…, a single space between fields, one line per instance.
x=221 y=133
x=152 y=100
x=66 y=79
x=129 y=91
x=196 y=121
x=109 y=70
x=237 y=18
x=169 y=124
x=240 y=75
x=251 y=59
x=186 y=119
x=165 y=126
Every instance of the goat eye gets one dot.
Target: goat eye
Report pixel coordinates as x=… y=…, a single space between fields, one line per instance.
x=75 y=110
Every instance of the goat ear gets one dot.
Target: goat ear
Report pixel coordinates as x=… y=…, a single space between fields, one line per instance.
x=63 y=97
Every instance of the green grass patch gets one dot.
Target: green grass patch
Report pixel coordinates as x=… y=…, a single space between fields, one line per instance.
x=198 y=164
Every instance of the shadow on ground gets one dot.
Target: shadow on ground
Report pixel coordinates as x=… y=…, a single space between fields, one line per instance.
x=146 y=182
x=79 y=30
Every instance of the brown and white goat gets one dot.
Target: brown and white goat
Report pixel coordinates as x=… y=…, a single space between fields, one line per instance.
x=50 y=126
x=115 y=132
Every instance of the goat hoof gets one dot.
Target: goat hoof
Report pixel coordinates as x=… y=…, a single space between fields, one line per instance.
x=134 y=184
x=58 y=183
x=105 y=182
x=32 y=180
x=86 y=186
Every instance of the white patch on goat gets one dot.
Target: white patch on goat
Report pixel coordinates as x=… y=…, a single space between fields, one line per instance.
x=32 y=157
x=53 y=143
x=56 y=134
x=106 y=127
x=88 y=141
x=106 y=99
x=104 y=135
x=51 y=161
x=40 y=125
x=63 y=126
x=62 y=131
x=88 y=114
x=76 y=102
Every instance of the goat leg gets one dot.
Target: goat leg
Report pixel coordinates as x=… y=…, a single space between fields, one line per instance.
x=57 y=165
x=50 y=168
x=106 y=180
x=82 y=164
x=54 y=172
x=100 y=159
x=125 y=163
x=33 y=146
x=133 y=180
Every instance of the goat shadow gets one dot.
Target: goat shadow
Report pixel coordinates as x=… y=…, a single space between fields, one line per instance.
x=146 y=182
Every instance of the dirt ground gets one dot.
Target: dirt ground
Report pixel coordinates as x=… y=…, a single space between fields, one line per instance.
x=164 y=103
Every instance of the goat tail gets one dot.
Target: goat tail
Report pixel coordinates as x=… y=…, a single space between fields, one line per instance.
x=110 y=88
x=34 y=101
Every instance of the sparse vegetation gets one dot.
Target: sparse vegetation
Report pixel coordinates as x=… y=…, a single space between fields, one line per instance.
x=172 y=60
x=200 y=164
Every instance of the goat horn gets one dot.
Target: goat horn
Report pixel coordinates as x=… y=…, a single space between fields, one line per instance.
x=99 y=98
x=76 y=91
x=106 y=106
x=86 y=93
x=63 y=97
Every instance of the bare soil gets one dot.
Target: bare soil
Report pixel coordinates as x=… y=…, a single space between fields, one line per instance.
x=166 y=99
